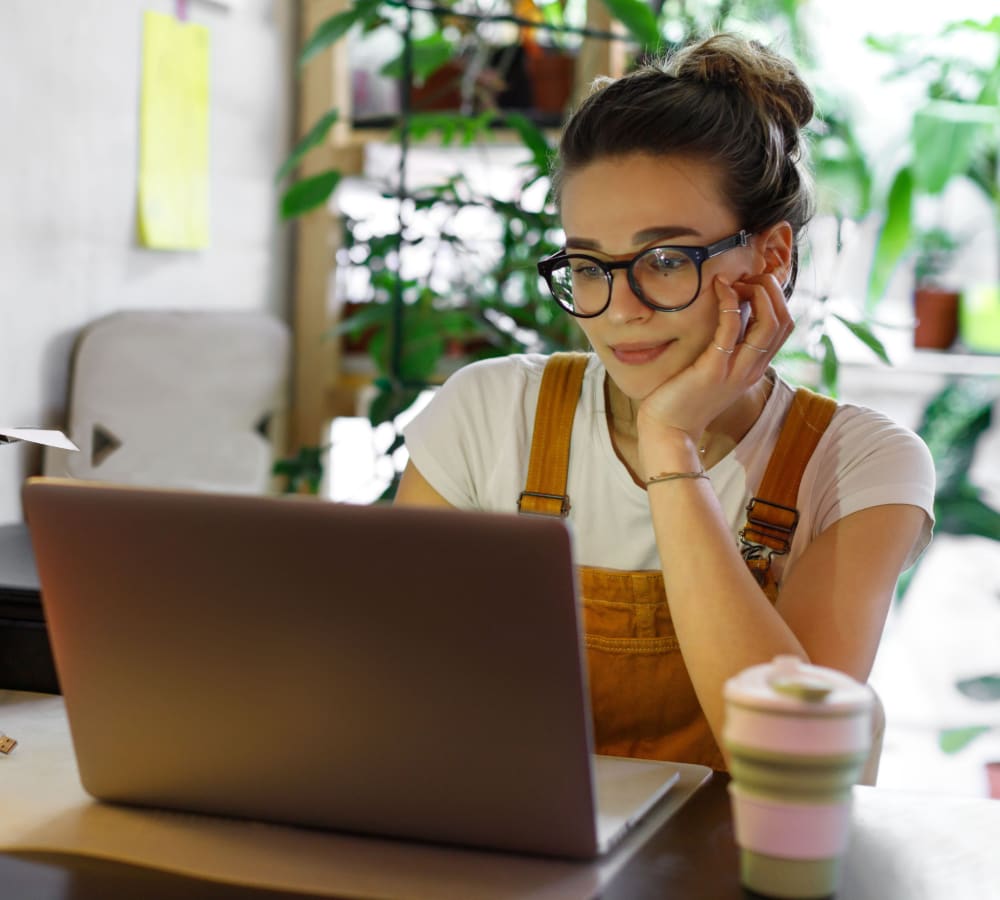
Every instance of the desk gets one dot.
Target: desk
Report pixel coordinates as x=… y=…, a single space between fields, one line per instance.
x=906 y=846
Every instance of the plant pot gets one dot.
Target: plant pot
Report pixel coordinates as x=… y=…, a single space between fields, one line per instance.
x=936 y=312
x=441 y=90
x=552 y=74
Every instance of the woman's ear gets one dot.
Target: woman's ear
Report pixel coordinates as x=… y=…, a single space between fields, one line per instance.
x=775 y=246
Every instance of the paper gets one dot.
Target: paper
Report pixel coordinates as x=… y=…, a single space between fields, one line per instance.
x=45 y=436
x=173 y=135
x=45 y=808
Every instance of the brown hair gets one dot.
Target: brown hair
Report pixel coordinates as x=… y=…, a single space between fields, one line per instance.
x=724 y=99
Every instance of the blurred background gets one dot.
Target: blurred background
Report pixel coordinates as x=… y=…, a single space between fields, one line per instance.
x=365 y=195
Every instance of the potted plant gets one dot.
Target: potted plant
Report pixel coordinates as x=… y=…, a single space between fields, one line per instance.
x=550 y=59
x=953 y=135
x=414 y=323
x=935 y=301
x=953 y=422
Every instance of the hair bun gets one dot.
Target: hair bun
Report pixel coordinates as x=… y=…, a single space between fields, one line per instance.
x=768 y=81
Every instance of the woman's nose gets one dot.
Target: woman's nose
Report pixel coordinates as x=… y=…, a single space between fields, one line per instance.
x=625 y=306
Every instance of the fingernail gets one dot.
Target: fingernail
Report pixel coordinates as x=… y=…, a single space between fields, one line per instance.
x=724 y=280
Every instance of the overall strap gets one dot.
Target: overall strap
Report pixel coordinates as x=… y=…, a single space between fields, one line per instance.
x=544 y=493
x=771 y=515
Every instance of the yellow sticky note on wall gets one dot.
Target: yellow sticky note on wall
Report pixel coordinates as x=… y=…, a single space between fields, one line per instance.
x=173 y=134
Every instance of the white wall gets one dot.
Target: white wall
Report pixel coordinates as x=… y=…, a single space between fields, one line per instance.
x=69 y=101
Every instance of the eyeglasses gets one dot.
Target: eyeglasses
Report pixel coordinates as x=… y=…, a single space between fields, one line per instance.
x=666 y=278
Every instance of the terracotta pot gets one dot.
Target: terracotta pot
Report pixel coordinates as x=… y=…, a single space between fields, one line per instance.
x=441 y=90
x=551 y=80
x=936 y=312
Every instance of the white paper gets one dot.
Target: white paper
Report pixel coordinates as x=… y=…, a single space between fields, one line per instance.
x=49 y=437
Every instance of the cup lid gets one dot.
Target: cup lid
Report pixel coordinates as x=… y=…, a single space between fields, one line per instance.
x=788 y=683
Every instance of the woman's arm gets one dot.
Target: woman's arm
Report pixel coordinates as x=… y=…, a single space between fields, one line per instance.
x=831 y=609
x=415 y=490
x=832 y=606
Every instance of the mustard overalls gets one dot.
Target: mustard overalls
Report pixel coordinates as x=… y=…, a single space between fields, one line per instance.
x=642 y=699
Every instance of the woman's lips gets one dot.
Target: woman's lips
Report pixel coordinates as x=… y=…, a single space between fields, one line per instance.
x=638 y=354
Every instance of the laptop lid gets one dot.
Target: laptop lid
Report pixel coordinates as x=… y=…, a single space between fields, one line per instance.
x=404 y=672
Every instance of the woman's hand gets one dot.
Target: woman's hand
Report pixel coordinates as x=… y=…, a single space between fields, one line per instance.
x=726 y=369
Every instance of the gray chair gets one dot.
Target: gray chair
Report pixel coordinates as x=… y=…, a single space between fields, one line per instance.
x=176 y=398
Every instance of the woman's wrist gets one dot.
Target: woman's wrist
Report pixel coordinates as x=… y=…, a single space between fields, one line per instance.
x=670 y=449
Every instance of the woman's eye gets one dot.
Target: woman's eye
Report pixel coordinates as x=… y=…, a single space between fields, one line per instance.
x=666 y=263
x=585 y=270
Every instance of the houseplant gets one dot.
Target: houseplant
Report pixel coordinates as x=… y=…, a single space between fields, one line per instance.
x=953 y=134
x=935 y=301
x=416 y=321
x=953 y=423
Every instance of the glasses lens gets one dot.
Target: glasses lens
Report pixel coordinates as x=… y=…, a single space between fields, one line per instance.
x=580 y=285
x=666 y=276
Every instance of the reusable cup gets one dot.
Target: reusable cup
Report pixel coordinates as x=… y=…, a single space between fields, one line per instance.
x=798 y=736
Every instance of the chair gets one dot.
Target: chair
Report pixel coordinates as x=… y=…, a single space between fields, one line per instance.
x=185 y=399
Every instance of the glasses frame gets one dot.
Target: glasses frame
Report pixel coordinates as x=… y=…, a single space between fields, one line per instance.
x=697 y=255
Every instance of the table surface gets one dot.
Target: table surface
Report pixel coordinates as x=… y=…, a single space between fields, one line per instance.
x=905 y=846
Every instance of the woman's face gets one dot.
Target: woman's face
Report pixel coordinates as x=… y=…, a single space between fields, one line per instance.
x=617 y=207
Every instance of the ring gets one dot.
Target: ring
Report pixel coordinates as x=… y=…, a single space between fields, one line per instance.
x=723 y=349
x=731 y=310
x=756 y=349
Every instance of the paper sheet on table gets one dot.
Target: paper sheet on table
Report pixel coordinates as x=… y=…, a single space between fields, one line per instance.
x=173 y=134
x=47 y=436
x=45 y=808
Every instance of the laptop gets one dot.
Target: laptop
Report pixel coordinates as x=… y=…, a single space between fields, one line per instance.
x=392 y=671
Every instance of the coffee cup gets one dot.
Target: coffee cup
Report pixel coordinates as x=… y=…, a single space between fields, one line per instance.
x=797 y=736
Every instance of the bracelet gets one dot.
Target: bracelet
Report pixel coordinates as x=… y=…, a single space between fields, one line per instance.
x=672 y=476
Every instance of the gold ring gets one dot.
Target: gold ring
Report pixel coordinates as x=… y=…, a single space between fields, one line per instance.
x=731 y=310
x=755 y=349
x=723 y=349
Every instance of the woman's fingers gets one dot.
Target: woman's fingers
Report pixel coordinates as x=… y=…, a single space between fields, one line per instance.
x=770 y=322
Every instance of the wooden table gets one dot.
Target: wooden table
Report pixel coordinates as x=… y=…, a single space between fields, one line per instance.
x=905 y=846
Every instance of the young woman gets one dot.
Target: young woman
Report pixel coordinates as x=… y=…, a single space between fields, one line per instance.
x=683 y=197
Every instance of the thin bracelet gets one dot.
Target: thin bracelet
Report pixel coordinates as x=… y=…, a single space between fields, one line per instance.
x=672 y=476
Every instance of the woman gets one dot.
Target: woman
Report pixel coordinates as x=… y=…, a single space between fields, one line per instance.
x=683 y=198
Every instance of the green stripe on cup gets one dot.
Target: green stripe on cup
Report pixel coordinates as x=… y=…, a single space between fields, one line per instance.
x=792 y=777
x=802 y=879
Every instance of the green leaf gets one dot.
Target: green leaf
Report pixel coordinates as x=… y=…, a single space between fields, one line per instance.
x=306 y=467
x=308 y=194
x=361 y=319
x=429 y=54
x=422 y=346
x=945 y=138
x=533 y=138
x=965 y=513
x=331 y=30
x=638 y=18
x=390 y=401
x=952 y=740
x=986 y=688
x=829 y=366
x=313 y=138
x=894 y=236
x=953 y=421
x=864 y=334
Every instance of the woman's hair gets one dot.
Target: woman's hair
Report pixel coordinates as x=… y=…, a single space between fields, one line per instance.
x=723 y=99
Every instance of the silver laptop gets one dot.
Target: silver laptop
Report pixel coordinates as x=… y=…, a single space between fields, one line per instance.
x=402 y=672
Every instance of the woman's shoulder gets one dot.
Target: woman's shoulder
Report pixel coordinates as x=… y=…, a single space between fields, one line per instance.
x=857 y=433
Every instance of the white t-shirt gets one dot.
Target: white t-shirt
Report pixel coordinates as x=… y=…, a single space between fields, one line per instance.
x=472 y=444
